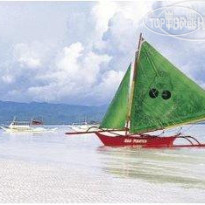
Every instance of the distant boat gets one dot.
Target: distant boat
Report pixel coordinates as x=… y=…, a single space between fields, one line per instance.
x=33 y=126
x=153 y=95
x=85 y=126
x=36 y=122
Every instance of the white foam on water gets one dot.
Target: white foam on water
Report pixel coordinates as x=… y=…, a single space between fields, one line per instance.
x=53 y=167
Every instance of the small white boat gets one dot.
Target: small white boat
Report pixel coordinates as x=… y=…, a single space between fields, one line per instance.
x=33 y=126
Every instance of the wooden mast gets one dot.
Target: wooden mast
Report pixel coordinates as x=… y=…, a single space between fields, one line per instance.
x=137 y=55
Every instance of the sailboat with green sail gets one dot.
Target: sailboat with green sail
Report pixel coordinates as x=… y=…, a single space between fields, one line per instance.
x=153 y=95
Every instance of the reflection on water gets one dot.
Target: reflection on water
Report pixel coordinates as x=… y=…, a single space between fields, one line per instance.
x=183 y=167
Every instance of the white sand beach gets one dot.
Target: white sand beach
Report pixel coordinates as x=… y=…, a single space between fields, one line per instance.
x=56 y=168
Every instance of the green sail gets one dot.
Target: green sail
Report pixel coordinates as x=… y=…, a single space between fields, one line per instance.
x=163 y=96
x=116 y=115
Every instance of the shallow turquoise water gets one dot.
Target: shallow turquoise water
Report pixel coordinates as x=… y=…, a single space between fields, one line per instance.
x=53 y=167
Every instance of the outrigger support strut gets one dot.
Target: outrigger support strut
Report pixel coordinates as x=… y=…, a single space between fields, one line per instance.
x=192 y=140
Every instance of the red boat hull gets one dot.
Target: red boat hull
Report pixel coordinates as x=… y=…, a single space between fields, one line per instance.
x=113 y=139
x=142 y=141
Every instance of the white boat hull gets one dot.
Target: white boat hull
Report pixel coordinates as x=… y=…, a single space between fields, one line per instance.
x=84 y=128
x=29 y=130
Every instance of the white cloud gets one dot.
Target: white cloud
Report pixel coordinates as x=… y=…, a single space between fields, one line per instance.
x=110 y=81
x=8 y=79
x=75 y=71
x=26 y=56
x=73 y=77
x=202 y=85
x=69 y=58
x=102 y=12
x=79 y=54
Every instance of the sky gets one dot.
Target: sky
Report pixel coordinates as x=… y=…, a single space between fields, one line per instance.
x=78 y=52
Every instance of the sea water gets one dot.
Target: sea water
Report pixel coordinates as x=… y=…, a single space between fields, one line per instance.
x=53 y=167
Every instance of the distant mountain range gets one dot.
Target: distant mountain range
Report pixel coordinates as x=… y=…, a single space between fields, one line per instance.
x=57 y=114
x=52 y=114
